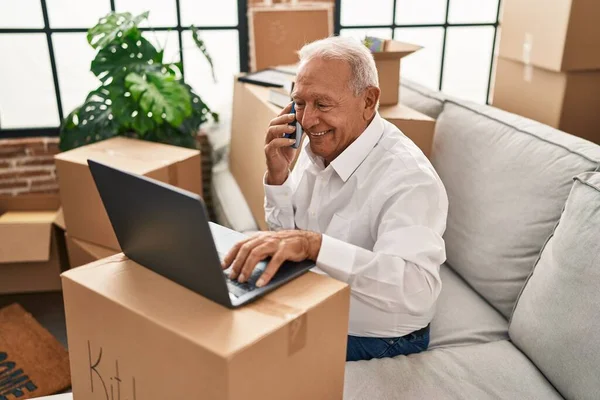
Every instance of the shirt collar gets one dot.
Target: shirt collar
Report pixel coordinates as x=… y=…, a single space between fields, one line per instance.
x=348 y=161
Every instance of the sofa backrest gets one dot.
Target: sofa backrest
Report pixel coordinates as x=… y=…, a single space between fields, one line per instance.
x=507 y=179
x=555 y=322
x=420 y=98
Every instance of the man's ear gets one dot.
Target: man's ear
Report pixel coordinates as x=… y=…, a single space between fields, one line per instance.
x=371 y=96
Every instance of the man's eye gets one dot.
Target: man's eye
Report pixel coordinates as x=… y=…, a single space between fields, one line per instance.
x=299 y=106
x=323 y=106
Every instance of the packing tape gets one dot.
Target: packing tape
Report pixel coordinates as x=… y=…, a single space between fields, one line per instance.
x=297 y=328
x=527 y=49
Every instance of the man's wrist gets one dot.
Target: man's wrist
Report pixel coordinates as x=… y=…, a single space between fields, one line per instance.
x=314 y=245
x=276 y=180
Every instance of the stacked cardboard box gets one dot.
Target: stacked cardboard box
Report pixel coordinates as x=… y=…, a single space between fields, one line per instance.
x=32 y=254
x=548 y=67
x=277 y=32
x=89 y=233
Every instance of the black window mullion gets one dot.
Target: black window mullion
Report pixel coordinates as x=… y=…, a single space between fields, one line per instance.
x=243 y=34
x=112 y=6
x=179 y=34
x=489 y=86
x=48 y=33
x=337 y=17
x=394 y=19
x=443 y=59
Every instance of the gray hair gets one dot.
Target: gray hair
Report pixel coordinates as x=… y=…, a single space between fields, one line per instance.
x=356 y=54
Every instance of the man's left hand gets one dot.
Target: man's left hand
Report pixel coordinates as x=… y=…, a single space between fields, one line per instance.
x=294 y=245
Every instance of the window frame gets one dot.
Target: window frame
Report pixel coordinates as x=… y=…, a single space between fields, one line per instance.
x=241 y=27
x=446 y=24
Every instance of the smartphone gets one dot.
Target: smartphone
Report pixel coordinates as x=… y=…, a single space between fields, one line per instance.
x=298 y=133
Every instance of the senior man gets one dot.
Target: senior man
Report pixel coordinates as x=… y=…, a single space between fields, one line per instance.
x=362 y=202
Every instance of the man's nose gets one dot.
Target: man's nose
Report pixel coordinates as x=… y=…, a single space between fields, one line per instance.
x=309 y=118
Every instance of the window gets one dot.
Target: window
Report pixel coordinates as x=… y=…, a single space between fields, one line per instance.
x=458 y=39
x=46 y=72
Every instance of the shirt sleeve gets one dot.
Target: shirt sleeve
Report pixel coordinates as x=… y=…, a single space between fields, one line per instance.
x=279 y=205
x=401 y=273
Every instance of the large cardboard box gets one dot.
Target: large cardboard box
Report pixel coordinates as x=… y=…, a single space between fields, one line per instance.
x=418 y=127
x=81 y=252
x=277 y=32
x=32 y=254
x=569 y=101
x=559 y=35
x=388 y=69
x=135 y=334
x=84 y=213
x=252 y=113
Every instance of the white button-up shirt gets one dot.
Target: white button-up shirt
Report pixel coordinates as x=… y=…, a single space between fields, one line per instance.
x=381 y=209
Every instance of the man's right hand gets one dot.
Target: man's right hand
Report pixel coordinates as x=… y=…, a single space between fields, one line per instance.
x=278 y=150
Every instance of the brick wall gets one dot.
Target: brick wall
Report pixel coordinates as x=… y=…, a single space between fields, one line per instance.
x=27 y=166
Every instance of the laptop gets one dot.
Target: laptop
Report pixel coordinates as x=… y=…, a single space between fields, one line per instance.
x=166 y=229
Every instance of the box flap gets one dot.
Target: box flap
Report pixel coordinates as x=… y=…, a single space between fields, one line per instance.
x=25 y=236
x=59 y=219
x=30 y=202
x=94 y=250
x=395 y=50
x=136 y=156
x=400 y=111
x=134 y=287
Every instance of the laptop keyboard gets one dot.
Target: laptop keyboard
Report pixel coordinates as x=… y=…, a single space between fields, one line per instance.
x=239 y=289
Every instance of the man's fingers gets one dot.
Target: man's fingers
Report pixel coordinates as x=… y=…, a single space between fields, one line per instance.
x=241 y=256
x=274 y=264
x=282 y=119
x=257 y=254
x=278 y=143
x=277 y=131
x=232 y=253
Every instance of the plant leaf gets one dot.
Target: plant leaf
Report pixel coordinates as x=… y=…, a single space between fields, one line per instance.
x=129 y=113
x=202 y=46
x=114 y=26
x=160 y=96
x=92 y=122
x=133 y=54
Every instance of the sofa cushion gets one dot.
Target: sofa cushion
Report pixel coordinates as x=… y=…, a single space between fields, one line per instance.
x=420 y=98
x=507 y=180
x=494 y=370
x=462 y=316
x=555 y=321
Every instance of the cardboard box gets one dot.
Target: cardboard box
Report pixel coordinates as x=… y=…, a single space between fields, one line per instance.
x=388 y=69
x=82 y=252
x=32 y=254
x=558 y=35
x=569 y=101
x=418 y=127
x=277 y=32
x=252 y=113
x=135 y=334
x=84 y=212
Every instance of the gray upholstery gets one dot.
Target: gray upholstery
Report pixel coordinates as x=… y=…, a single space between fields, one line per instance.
x=463 y=317
x=420 y=98
x=507 y=180
x=556 y=322
x=494 y=370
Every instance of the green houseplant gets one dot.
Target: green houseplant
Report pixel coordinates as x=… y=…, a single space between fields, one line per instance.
x=139 y=95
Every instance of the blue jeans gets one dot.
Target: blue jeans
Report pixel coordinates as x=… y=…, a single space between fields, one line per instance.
x=366 y=348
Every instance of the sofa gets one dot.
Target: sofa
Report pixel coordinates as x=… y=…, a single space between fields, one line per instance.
x=517 y=317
